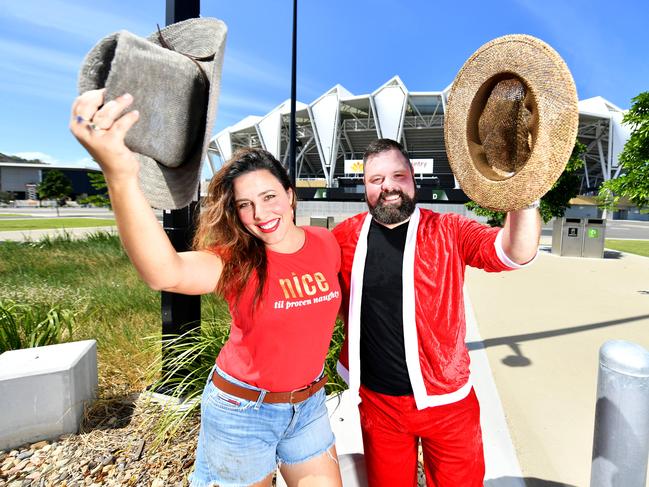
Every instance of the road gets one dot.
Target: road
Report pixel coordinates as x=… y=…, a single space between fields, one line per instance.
x=615 y=229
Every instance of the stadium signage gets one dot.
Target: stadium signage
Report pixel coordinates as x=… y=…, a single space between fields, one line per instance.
x=421 y=166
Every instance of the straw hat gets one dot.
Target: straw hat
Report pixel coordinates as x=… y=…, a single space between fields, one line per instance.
x=511 y=122
x=174 y=76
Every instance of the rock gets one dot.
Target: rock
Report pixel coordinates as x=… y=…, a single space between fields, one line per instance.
x=137 y=451
x=25 y=454
x=38 y=445
x=107 y=459
x=34 y=475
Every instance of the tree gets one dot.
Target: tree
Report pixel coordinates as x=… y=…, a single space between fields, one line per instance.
x=555 y=202
x=98 y=182
x=56 y=186
x=6 y=196
x=633 y=183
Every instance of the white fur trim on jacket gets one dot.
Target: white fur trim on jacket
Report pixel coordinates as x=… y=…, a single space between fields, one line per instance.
x=422 y=398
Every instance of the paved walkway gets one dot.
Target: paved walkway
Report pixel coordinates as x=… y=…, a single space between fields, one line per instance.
x=36 y=235
x=542 y=328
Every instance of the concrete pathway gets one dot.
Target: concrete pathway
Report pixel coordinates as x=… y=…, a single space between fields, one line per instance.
x=542 y=328
x=36 y=235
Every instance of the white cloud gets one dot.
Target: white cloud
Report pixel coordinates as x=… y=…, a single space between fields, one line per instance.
x=36 y=71
x=77 y=20
x=12 y=52
x=85 y=162
x=245 y=103
x=244 y=66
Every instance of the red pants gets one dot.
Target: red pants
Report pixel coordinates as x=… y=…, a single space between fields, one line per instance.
x=450 y=435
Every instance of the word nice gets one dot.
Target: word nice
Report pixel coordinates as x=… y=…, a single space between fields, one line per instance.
x=305 y=285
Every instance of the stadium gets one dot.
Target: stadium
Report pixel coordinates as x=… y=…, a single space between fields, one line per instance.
x=334 y=130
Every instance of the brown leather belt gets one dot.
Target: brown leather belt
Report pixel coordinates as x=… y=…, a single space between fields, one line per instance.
x=270 y=397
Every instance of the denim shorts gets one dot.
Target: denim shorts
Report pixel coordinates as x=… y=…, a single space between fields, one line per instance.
x=241 y=442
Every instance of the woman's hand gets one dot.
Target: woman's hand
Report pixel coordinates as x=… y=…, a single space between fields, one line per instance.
x=101 y=130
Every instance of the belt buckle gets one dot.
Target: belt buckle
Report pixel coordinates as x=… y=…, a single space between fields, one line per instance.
x=293 y=400
x=290 y=397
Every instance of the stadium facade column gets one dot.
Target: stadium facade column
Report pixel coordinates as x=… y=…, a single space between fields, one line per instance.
x=324 y=113
x=390 y=102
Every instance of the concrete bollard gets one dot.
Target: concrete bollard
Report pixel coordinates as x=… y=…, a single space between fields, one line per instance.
x=621 y=439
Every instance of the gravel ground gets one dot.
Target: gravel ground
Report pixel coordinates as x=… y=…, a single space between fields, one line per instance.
x=114 y=448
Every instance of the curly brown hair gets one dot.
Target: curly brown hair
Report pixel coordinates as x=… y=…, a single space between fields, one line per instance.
x=219 y=229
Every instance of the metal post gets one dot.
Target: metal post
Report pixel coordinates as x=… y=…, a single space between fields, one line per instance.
x=621 y=440
x=293 y=132
x=180 y=312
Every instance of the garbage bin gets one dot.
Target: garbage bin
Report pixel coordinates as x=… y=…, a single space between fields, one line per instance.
x=594 y=233
x=567 y=236
x=322 y=221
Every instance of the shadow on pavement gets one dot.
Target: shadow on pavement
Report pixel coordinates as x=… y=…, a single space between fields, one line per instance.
x=513 y=339
x=608 y=254
x=528 y=482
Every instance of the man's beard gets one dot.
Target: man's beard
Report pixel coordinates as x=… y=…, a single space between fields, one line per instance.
x=390 y=214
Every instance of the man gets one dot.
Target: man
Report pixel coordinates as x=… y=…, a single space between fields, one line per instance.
x=402 y=276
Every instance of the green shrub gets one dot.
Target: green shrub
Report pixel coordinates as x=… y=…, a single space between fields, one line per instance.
x=25 y=326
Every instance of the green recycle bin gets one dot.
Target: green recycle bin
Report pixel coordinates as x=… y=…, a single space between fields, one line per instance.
x=594 y=234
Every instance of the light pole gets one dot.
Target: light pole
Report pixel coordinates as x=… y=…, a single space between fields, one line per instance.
x=293 y=133
x=180 y=312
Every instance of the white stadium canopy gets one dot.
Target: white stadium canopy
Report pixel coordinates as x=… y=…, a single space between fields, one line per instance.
x=334 y=130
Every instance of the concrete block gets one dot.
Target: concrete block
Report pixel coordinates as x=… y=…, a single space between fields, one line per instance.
x=43 y=391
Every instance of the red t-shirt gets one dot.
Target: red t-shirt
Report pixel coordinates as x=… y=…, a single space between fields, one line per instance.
x=281 y=345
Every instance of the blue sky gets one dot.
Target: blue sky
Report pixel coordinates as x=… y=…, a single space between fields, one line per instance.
x=359 y=44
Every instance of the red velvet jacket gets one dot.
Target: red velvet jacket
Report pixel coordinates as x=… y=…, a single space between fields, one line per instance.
x=438 y=247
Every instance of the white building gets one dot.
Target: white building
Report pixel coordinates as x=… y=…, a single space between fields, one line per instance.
x=334 y=130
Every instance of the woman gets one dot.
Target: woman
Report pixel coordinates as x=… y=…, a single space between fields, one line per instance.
x=264 y=401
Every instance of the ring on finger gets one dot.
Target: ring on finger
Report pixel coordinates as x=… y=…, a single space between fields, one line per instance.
x=91 y=124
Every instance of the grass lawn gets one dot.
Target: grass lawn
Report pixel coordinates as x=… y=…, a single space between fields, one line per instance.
x=94 y=278
x=42 y=223
x=12 y=215
x=639 y=247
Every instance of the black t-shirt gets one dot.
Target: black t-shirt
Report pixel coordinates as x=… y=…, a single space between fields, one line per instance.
x=383 y=356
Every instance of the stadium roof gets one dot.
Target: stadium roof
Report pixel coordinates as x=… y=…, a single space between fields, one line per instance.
x=334 y=130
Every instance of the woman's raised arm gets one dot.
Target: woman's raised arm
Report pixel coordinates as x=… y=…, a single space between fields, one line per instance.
x=101 y=130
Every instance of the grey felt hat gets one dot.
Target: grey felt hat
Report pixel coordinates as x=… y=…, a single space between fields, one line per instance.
x=174 y=76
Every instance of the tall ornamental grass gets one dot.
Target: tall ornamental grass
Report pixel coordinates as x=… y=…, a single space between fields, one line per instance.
x=94 y=279
x=26 y=326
